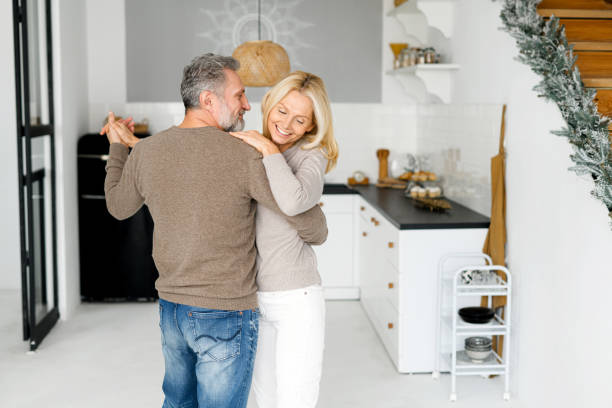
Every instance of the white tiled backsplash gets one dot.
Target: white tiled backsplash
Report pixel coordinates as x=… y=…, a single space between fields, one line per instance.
x=459 y=139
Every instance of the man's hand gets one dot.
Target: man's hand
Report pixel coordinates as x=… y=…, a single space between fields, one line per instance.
x=126 y=134
x=129 y=122
x=118 y=129
x=112 y=133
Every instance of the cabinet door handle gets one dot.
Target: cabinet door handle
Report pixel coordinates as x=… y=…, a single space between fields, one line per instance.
x=376 y=223
x=321 y=204
x=390 y=285
x=373 y=219
x=362 y=208
x=390 y=325
x=103 y=157
x=365 y=234
x=390 y=244
x=93 y=196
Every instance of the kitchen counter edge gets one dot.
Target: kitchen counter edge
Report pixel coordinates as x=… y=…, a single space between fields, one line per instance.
x=400 y=212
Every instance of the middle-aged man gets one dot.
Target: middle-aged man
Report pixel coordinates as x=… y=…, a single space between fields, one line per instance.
x=200 y=185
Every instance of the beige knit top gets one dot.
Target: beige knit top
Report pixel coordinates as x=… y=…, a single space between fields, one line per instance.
x=285 y=261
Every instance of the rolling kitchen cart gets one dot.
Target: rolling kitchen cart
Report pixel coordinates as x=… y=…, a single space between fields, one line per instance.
x=452 y=294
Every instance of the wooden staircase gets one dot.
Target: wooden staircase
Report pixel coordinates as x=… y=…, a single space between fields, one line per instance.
x=588 y=26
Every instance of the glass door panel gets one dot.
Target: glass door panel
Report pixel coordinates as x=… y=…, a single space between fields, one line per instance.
x=40 y=153
x=40 y=289
x=37 y=63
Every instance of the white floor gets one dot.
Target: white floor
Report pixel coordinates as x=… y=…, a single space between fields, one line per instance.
x=109 y=355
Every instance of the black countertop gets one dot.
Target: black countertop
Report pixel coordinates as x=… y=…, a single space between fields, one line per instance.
x=402 y=213
x=338 y=189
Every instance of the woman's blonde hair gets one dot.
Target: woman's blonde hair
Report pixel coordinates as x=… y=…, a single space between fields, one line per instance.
x=322 y=134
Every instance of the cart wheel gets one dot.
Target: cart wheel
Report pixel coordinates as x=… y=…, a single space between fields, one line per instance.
x=506 y=396
x=435 y=375
x=453 y=397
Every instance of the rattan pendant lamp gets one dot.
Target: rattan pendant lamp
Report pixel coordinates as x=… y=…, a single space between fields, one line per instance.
x=262 y=63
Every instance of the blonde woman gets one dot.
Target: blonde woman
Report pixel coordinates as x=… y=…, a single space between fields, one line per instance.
x=298 y=146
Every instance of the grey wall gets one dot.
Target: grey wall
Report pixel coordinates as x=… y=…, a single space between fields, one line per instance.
x=339 y=40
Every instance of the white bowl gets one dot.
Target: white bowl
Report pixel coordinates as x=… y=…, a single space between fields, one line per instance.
x=478 y=356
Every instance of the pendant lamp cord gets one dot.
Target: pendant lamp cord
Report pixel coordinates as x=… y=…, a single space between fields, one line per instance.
x=259 y=19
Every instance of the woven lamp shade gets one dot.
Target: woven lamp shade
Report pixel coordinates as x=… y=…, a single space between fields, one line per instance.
x=262 y=63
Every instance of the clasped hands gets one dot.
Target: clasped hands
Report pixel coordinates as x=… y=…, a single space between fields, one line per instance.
x=120 y=131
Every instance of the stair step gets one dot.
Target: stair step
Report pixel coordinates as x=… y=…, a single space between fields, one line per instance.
x=571 y=13
x=598 y=82
x=592 y=34
x=604 y=101
x=595 y=67
x=575 y=9
x=591 y=46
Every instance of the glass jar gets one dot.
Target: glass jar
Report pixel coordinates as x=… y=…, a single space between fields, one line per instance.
x=420 y=56
x=430 y=55
x=403 y=60
x=413 y=56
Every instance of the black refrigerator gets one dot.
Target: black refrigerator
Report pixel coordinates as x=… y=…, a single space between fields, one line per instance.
x=115 y=256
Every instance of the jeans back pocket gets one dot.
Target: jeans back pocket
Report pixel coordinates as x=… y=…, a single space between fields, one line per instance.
x=217 y=334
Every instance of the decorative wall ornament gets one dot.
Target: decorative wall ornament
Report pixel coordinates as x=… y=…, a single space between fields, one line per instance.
x=238 y=22
x=543 y=46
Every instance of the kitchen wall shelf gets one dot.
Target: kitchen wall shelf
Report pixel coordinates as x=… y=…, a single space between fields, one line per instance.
x=435 y=78
x=439 y=14
x=451 y=292
x=424 y=68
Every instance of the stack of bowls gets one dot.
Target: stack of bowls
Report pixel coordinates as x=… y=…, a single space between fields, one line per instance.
x=478 y=348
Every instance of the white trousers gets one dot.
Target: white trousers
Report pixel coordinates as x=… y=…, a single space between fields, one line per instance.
x=289 y=357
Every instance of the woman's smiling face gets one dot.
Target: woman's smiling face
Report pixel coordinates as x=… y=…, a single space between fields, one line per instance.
x=290 y=119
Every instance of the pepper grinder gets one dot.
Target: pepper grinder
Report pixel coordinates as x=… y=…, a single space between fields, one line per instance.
x=383 y=165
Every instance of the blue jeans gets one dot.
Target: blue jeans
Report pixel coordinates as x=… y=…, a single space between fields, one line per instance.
x=209 y=355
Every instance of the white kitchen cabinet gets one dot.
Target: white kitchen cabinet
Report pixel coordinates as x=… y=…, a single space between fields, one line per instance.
x=335 y=258
x=398 y=275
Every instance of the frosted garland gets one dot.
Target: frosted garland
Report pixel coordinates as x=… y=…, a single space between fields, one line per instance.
x=543 y=46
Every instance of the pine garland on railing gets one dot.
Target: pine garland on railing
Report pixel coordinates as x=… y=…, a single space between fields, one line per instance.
x=543 y=46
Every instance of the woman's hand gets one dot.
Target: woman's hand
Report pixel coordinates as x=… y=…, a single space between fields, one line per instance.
x=119 y=130
x=258 y=141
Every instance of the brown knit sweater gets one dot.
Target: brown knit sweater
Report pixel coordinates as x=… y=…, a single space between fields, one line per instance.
x=201 y=186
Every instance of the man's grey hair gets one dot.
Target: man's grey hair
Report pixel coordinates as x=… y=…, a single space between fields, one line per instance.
x=205 y=73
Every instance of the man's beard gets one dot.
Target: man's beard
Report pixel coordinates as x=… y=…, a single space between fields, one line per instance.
x=229 y=123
